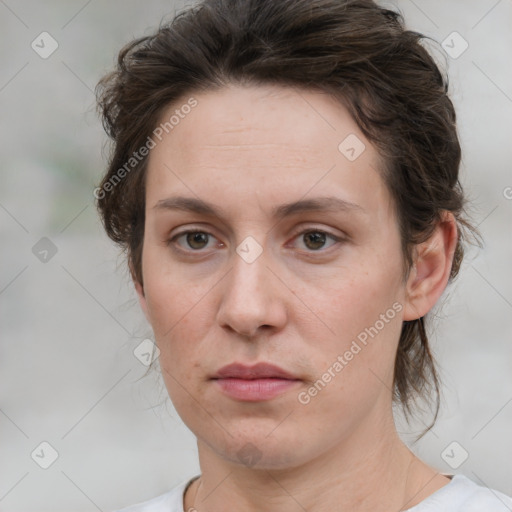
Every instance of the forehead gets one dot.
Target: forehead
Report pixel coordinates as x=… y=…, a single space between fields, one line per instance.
x=310 y=121
x=276 y=139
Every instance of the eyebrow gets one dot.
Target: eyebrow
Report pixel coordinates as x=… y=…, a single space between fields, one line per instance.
x=328 y=204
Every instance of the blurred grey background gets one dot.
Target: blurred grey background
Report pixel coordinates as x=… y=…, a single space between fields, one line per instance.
x=69 y=319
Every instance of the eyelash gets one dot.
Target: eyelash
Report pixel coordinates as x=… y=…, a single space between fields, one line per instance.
x=172 y=240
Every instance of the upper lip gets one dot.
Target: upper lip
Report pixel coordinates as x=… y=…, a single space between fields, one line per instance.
x=257 y=371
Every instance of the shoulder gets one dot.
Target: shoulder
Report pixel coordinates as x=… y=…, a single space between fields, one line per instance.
x=478 y=498
x=464 y=495
x=171 y=501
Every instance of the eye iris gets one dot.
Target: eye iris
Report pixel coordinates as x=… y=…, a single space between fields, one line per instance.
x=200 y=238
x=317 y=239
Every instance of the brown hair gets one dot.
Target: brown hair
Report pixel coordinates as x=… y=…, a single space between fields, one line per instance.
x=353 y=49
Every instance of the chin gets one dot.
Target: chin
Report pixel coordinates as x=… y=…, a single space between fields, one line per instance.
x=264 y=452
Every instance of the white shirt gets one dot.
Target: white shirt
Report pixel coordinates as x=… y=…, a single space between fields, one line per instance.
x=460 y=495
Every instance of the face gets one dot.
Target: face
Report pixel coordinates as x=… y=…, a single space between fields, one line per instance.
x=296 y=262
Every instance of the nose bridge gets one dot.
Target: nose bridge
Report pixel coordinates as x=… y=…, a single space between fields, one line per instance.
x=249 y=278
x=250 y=298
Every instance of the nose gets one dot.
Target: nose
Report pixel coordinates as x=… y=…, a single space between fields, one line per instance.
x=253 y=297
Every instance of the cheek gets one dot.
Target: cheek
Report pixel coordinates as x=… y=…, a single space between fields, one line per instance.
x=357 y=297
x=361 y=321
x=169 y=295
x=180 y=313
x=174 y=321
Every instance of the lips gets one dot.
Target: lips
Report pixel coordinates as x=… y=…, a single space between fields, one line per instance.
x=257 y=371
x=261 y=382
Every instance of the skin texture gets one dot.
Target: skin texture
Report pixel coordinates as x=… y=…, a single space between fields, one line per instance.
x=299 y=305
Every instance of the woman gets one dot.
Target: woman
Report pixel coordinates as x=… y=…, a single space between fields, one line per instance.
x=284 y=178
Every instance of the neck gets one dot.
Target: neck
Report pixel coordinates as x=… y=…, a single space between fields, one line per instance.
x=382 y=476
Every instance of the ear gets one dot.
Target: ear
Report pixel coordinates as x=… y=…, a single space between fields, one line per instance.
x=139 y=288
x=431 y=269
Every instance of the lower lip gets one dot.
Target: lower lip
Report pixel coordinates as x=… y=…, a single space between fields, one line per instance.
x=256 y=389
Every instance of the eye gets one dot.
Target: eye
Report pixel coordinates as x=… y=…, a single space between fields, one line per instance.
x=315 y=239
x=195 y=240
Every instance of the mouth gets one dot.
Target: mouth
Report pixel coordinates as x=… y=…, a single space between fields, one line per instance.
x=262 y=381
x=257 y=371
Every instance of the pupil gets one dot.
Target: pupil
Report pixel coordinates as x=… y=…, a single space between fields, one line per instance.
x=199 y=238
x=317 y=239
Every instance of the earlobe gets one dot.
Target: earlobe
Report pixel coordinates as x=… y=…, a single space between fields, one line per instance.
x=431 y=270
